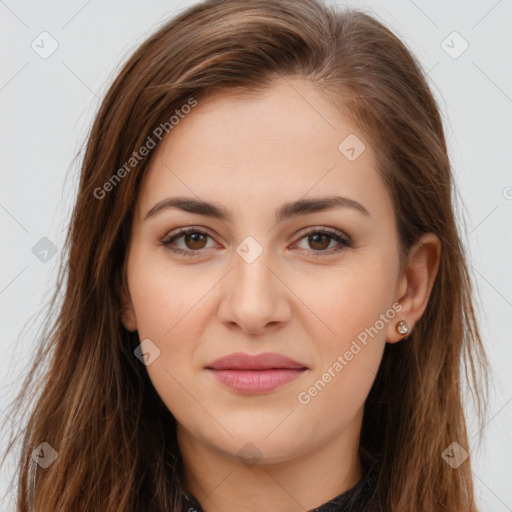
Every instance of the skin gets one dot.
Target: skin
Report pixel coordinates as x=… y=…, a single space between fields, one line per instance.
x=251 y=154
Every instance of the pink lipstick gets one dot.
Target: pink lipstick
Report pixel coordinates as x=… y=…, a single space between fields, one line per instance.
x=253 y=374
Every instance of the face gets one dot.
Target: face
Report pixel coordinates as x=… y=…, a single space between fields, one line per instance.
x=316 y=284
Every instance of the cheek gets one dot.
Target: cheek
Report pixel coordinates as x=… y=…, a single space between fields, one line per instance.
x=166 y=298
x=346 y=301
x=352 y=312
x=170 y=311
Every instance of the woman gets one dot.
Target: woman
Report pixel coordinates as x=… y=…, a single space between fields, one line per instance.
x=267 y=300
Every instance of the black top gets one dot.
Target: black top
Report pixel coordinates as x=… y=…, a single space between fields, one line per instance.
x=356 y=499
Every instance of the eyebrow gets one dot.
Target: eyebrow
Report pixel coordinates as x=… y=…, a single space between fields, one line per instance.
x=287 y=210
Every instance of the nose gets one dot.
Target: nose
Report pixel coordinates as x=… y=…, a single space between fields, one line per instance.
x=254 y=297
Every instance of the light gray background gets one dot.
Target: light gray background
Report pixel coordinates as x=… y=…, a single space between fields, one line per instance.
x=48 y=106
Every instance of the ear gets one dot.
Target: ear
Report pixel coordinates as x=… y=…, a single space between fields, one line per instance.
x=415 y=285
x=127 y=313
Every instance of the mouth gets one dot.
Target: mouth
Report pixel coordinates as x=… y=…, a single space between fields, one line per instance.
x=254 y=374
x=256 y=381
x=264 y=361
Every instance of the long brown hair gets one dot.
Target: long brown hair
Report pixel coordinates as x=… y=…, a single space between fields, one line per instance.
x=94 y=403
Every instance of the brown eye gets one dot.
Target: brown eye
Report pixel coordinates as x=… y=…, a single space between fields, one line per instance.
x=188 y=242
x=195 y=241
x=319 y=241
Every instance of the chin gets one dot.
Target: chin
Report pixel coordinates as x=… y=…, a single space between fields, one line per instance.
x=251 y=446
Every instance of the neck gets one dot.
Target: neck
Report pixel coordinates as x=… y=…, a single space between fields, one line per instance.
x=221 y=482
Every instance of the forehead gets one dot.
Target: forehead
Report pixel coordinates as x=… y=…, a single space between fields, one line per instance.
x=285 y=141
x=273 y=121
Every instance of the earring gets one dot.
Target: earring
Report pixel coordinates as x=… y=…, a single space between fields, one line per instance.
x=402 y=327
x=123 y=308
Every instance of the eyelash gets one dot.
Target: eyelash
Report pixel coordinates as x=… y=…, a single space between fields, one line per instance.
x=332 y=233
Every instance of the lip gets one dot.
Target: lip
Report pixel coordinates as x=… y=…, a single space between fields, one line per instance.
x=264 y=361
x=253 y=374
